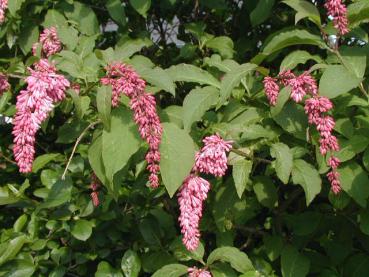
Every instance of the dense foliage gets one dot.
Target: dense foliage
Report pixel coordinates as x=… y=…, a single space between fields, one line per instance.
x=87 y=207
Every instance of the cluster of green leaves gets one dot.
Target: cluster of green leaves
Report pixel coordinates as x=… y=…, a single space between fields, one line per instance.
x=271 y=215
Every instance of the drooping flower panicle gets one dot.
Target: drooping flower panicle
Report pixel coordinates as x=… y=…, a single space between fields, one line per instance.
x=195 y=272
x=4 y=84
x=49 y=42
x=124 y=80
x=190 y=198
x=44 y=87
x=211 y=159
x=94 y=186
x=316 y=108
x=3 y=8
x=338 y=11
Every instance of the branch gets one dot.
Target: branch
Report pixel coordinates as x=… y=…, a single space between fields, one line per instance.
x=243 y=154
x=76 y=144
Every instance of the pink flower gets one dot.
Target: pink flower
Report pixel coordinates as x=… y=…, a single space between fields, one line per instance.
x=325 y=125
x=195 y=272
x=334 y=162
x=94 y=186
x=125 y=80
x=315 y=106
x=49 y=42
x=212 y=158
x=271 y=89
x=302 y=85
x=190 y=198
x=328 y=143
x=44 y=87
x=4 y=84
x=333 y=177
x=3 y=7
x=337 y=10
x=285 y=77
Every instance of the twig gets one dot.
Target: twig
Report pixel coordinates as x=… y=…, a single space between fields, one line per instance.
x=7 y=159
x=243 y=154
x=76 y=144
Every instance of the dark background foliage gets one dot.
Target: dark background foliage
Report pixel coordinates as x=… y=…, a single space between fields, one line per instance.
x=274 y=203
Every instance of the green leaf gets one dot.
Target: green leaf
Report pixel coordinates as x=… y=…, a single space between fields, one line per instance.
x=354 y=58
x=172 y=270
x=131 y=264
x=177 y=156
x=103 y=101
x=304 y=9
x=70 y=131
x=356 y=266
x=366 y=159
x=337 y=80
x=96 y=161
x=41 y=161
x=14 y=6
x=183 y=255
x=308 y=177
x=53 y=18
x=292 y=118
x=238 y=259
x=190 y=73
x=273 y=246
x=126 y=47
x=261 y=12
x=233 y=79
x=241 y=173
x=104 y=269
x=223 y=270
x=159 y=78
x=284 y=161
x=354 y=181
x=68 y=36
x=7 y=197
x=77 y=102
x=289 y=37
x=18 y=268
x=141 y=6
x=12 y=248
x=298 y=57
x=60 y=193
x=223 y=45
x=82 y=229
x=349 y=148
x=19 y=224
x=265 y=191
x=358 y=12
x=293 y=263
x=29 y=35
x=121 y=142
x=196 y=103
x=116 y=11
x=364 y=222
x=85 y=17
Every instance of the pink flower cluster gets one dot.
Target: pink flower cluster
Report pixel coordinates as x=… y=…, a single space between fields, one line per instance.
x=4 y=84
x=338 y=11
x=300 y=86
x=195 y=272
x=315 y=108
x=49 y=42
x=124 y=80
x=44 y=88
x=190 y=198
x=3 y=7
x=94 y=186
x=211 y=159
